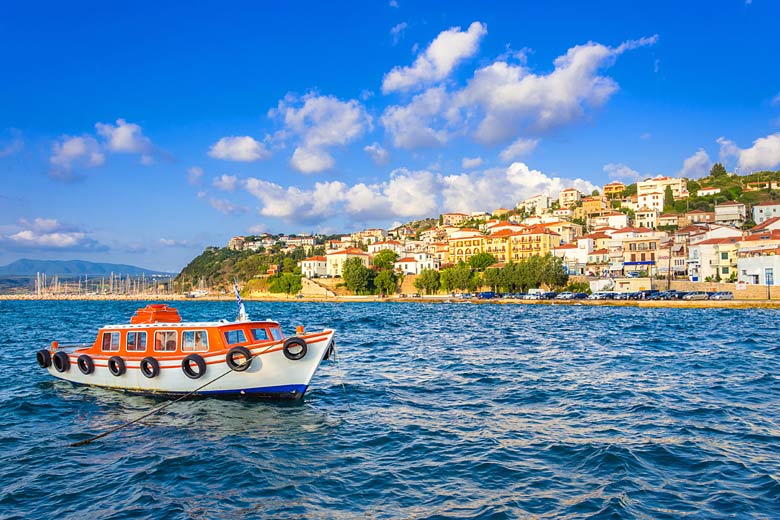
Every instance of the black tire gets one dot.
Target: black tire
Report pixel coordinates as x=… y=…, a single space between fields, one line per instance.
x=238 y=366
x=61 y=362
x=85 y=364
x=116 y=365
x=200 y=364
x=330 y=351
x=295 y=348
x=44 y=358
x=150 y=367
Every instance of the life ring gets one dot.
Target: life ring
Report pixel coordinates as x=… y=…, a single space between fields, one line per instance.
x=116 y=365
x=150 y=367
x=61 y=362
x=230 y=358
x=298 y=350
x=85 y=364
x=44 y=358
x=200 y=363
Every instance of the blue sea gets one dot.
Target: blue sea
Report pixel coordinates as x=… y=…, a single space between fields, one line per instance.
x=432 y=411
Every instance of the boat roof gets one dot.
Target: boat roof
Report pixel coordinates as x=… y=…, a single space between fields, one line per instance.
x=192 y=324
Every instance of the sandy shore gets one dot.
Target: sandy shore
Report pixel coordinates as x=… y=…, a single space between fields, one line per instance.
x=685 y=304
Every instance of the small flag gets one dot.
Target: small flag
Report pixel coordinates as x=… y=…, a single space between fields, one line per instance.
x=242 y=315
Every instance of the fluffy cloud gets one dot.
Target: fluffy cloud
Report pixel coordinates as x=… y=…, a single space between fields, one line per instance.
x=469 y=163
x=318 y=123
x=436 y=63
x=397 y=32
x=505 y=101
x=194 y=175
x=379 y=155
x=50 y=234
x=519 y=148
x=407 y=194
x=69 y=151
x=226 y=207
x=697 y=165
x=126 y=137
x=238 y=148
x=169 y=242
x=763 y=155
x=13 y=146
x=412 y=126
x=619 y=171
x=225 y=182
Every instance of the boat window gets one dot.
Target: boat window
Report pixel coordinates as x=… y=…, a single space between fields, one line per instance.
x=192 y=340
x=259 y=334
x=235 y=336
x=165 y=341
x=111 y=341
x=276 y=333
x=136 y=341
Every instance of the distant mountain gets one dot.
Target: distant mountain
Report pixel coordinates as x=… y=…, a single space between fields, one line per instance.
x=27 y=267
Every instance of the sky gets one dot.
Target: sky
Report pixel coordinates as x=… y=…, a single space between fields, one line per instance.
x=143 y=132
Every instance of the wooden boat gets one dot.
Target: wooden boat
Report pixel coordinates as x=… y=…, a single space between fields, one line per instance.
x=158 y=353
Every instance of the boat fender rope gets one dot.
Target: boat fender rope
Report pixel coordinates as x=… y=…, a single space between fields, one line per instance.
x=61 y=361
x=198 y=361
x=230 y=358
x=150 y=367
x=153 y=412
x=295 y=348
x=85 y=364
x=116 y=365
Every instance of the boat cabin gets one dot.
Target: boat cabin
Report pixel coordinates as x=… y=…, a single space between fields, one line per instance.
x=158 y=329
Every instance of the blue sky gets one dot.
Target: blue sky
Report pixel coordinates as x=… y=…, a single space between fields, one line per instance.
x=138 y=133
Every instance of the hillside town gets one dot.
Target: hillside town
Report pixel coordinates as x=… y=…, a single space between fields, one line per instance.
x=618 y=231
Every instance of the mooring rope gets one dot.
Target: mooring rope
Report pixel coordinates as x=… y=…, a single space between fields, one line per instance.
x=156 y=410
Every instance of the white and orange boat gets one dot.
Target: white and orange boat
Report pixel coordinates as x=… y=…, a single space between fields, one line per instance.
x=158 y=353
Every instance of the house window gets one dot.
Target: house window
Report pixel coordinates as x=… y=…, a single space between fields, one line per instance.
x=724 y=270
x=724 y=256
x=165 y=341
x=111 y=341
x=136 y=341
x=194 y=340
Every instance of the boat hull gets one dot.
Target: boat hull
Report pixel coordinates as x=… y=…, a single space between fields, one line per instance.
x=270 y=375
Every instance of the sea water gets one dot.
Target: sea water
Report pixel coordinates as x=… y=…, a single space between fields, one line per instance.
x=432 y=411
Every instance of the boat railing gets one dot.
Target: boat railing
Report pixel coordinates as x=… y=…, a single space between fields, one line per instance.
x=69 y=347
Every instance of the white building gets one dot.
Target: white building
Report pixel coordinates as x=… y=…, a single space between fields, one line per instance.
x=314 y=267
x=659 y=184
x=393 y=245
x=336 y=259
x=536 y=204
x=758 y=259
x=416 y=263
x=568 y=197
x=614 y=219
x=652 y=200
x=765 y=210
x=730 y=213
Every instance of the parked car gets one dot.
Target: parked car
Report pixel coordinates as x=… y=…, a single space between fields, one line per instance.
x=695 y=295
x=722 y=295
x=580 y=296
x=486 y=295
x=566 y=295
x=633 y=274
x=647 y=294
x=548 y=295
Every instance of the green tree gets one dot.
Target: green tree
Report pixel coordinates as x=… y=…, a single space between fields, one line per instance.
x=668 y=199
x=718 y=170
x=482 y=261
x=357 y=277
x=595 y=193
x=460 y=275
x=427 y=281
x=385 y=282
x=492 y=278
x=385 y=259
x=445 y=280
x=285 y=283
x=629 y=191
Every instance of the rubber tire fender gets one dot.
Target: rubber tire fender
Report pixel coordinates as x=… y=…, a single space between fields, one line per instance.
x=85 y=364
x=300 y=343
x=330 y=351
x=44 y=358
x=187 y=367
x=231 y=362
x=116 y=365
x=61 y=362
x=150 y=367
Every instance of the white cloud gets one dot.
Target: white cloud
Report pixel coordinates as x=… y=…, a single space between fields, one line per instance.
x=469 y=163
x=697 y=165
x=519 y=148
x=776 y=100
x=412 y=126
x=225 y=182
x=646 y=136
x=379 y=155
x=619 y=171
x=169 y=242
x=505 y=101
x=226 y=207
x=436 y=63
x=763 y=155
x=238 y=148
x=69 y=151
x=397 y=32
x=393 y=3
x=194 y=175
x=126 y=138
x=43 y=233
x=13 y=146
x=320 y=122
